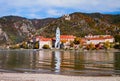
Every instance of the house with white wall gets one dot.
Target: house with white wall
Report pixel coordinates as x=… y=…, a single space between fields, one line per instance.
x=42 y=41
x=96 y=39
x=67 y=39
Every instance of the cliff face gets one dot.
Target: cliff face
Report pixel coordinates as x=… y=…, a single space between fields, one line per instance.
x=14 y=29
x=3 y=37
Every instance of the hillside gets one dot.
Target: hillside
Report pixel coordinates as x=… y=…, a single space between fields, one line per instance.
x=81 y=24
x=15 y=29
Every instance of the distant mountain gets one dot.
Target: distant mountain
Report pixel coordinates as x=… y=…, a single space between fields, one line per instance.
x=15 y=29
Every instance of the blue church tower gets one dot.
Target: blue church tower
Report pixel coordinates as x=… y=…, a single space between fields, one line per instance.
x=57 y=42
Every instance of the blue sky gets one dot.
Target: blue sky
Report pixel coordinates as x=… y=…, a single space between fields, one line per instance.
x=56 y=8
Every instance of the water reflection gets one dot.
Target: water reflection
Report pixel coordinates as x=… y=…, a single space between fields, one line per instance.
x=56 y=61
x=117 y=61
x=79 y=61
x=61 y=62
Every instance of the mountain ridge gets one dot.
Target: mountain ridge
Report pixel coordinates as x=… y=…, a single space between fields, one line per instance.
x=15 y=29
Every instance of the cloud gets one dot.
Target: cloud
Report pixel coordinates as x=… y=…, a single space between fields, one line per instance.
x=56 y=7
x=54 y=12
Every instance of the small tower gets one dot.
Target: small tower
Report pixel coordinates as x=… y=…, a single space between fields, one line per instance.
x=57 y=42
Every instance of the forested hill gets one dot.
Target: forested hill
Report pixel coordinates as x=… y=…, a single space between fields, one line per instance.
x=81 y=24
x=15 y=29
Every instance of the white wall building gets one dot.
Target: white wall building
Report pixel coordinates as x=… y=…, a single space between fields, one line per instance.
x=96 y=39
x=43 y=41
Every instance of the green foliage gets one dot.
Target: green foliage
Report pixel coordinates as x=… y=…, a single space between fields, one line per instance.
x=117 y=38
x=116 y=19
x=117 y=46
x=46 y=46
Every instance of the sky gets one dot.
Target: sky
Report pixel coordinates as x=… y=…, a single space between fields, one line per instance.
x=56 y=8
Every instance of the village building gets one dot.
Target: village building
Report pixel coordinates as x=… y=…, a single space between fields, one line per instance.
x=96 y=39
x=44 y=41
x=67 y=38
x=64 y=39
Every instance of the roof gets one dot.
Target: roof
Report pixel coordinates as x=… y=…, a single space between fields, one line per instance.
x=45 y=39
x=41 y=38
x=67 y=36
x=99 y=37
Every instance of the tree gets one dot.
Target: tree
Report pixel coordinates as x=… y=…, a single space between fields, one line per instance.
x=46 y=46
x=71 y=44
x=36 y=46
x=117 y=38
x=107 y=45
x=76 y=40
x=91 y=46
x=24 y=45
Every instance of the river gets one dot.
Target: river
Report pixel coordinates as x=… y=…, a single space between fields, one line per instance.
x=85 y=63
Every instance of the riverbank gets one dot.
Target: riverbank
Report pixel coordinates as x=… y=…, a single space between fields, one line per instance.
x=52 y=77
x=73 y=50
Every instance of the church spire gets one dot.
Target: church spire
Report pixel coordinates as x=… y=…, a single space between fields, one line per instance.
x=57 y=42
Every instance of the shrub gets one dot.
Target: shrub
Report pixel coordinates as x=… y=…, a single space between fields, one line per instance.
x=46 y=46
x=90 y=46
x=76 y=41
x=107 y=45
x=36 y=45
x=117 y=46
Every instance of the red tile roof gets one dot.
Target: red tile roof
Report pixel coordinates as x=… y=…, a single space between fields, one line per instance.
x=67 y=36
x=45 y=39
x=41 y=38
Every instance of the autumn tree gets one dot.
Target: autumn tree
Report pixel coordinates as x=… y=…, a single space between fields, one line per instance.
x=24 y=45
x=36 y=45
x=91 y=46
x=46 y=46
x=107 y=45
x=76 y=40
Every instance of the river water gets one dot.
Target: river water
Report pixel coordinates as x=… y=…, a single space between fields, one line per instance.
x=86 y=63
